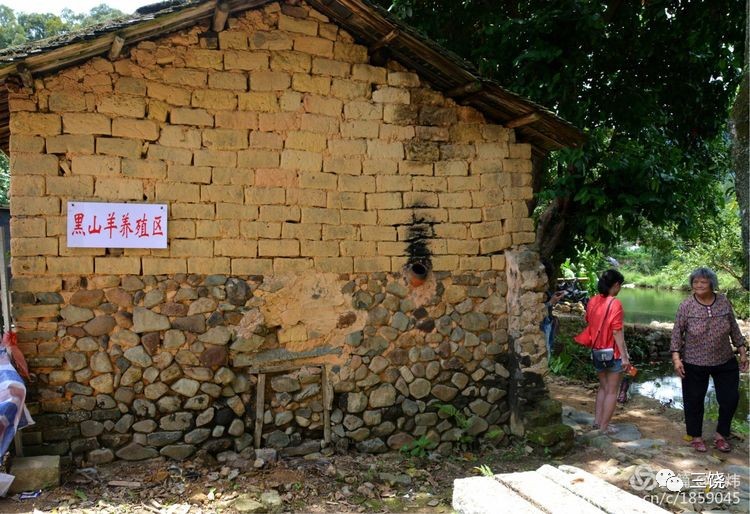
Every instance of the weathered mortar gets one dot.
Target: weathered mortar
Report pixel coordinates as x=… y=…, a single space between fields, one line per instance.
x=300 y=180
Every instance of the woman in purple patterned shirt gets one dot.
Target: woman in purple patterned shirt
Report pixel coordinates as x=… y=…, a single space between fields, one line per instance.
x=701 y=348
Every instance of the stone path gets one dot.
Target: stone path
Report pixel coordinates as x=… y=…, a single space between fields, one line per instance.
x=630 y=454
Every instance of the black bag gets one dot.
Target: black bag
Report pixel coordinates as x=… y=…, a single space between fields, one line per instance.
x=604 y=356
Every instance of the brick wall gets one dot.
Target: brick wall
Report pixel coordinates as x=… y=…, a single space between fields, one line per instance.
x=281 y=153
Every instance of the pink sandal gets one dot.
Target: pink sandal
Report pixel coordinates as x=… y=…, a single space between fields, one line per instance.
x=722 y=445
x=698 y=445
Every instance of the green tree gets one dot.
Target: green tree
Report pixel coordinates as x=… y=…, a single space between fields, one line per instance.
x=649 y=82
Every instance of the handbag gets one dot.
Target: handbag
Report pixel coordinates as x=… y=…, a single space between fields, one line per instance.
x=584 y=338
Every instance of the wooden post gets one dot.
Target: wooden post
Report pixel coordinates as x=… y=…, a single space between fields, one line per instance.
x=260 y=400
x=220 y=16
x=327 y=404
x=4 y=293
x=117 y=43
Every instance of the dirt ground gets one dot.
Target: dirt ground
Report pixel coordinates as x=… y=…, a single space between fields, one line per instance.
x=356 y=483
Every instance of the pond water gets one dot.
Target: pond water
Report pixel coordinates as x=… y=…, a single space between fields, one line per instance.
x=662 y=384
x=644 y=305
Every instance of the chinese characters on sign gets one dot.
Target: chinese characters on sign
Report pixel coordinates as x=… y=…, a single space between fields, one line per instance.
x=117 y=225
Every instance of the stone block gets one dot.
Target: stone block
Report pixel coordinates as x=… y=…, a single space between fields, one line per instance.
x=314 y=46
x=316 y=84
x=369 y=73
x=297 y=25
x=70 y=143
x=33 y=164
x=27 y=143
x=204 y=58
x=33 y=123
x=34 y=473
x=269 y=81
x=244 y=60
x=119 y=147
x=172 y=95
x=214 y=99
x=227 y=80
x=332 y=68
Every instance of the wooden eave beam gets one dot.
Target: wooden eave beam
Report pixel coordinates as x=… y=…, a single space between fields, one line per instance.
x=524 y=120
x=383 y=41
x=118 y=42
x=469 y=88
x=26 y=78
x=221 y=13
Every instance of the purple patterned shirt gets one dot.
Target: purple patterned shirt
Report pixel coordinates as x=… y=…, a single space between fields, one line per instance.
x=701 y=333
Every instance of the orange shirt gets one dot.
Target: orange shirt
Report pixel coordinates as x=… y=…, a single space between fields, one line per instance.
x=595 y=312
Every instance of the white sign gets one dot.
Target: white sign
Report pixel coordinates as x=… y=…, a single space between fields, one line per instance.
x=117 y=225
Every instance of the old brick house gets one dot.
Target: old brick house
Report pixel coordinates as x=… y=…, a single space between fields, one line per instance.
x=309 y=154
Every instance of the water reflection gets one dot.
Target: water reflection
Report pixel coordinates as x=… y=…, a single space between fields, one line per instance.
x=661 y=384
x=643 y=305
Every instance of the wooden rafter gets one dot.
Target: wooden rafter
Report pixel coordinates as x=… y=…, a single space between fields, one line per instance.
x=221 y=13
x=521 y=121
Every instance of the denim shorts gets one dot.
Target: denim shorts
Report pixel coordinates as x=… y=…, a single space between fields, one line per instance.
x=615 y=366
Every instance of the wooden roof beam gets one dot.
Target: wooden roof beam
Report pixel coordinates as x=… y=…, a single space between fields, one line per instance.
x=467 y=89
x=221 y=13
x=524 y=120
x=26 y=78
x=383 y=41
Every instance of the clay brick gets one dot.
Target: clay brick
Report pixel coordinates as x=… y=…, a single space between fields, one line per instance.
x=322 y=66
x=391 y=248
x=170 y=94
x=301 y=160
x=451 y=230
x=139 y=168
x=117 y=265
x=292 y=265
x=347 y=146
x=395 y=217
x=225 y=139
x=27 y=227
x=517 y=165
x=390 y=132
x=317 y=84
x=191 y=248
x=130 y=86
x=278 y=248
x=180 y=137
x=36 y=284
x=421 y=199
x=368 y=73
x=70 y=186
x=158 y=110
x=389 y=183
x=301 y=231
x=258 y=101
x=86 y=123
x=165 y=153
x=33 y=205
x=462 y=199
x=319 y=215
x=474 y=263
x=328 y=30
x=258 y=229
x=320 y=124
x=400 y=114
x=209 y=265
x=498 y=212
x=300 y=26
x=350 y=53
x=379 y=167
x=495 y=244
x=174 y=191
x=33 y=246
x=227 y=80
x=26 y=143
x=163 y=266
x=252 y=266
x=290 y=101
x=498 y=262
x=314 y=180
x=281 y=122
x=191 y=210
x=391 y=95
x=358 y=248
x=204 y=58
x=269 y=81
x=376 y=233
x=258 y=158
x=119 y=189
x=192 y=174
x=218 y=193
x=357 y=184
x=432 y=133
x=360 y=128
x=21 y=104
x=465 y=215
x=119 y=147
x=184 y=77
x=264 y=195
x=435 y=184
x=27 y=312
x=463 y=183
x=465 y=247
x=520 y=179
x=233 y=39
x=235 y=248
x=323 y=105
x=198 y=117
x=361 y=110
x=289 y=61
x=33 y=164
x=345 y=200
x=247 y=61
x=28 y=265
x=452 y=168
x=403 y=79
x=496 y=133
x=371 y=264
x=61 y=101
x=78 y=265
x=26 y=185
x=314 y=45
x=306 y=197
x=445 y=262
x=214 y=99
x=233 y=211
x=414 y=168
x=336 y=232
x=457 y=152
x=236 y=120
x=33 y=123
x=303 y=140
x=492 y=150
x=377 y=149
x=319 y=249
x=236 y=176
x=215 y=158
x=519 y=151
x=128 y=106
x=487 y=229
x=334 y=264
x=74 y=144
x=279 y=213
x=95 y=165
x=182 y=229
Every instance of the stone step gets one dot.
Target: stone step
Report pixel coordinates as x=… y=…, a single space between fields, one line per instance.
x=547 y=490
x=33 y=473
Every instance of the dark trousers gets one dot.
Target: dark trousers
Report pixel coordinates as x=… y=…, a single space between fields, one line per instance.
x=694 y=386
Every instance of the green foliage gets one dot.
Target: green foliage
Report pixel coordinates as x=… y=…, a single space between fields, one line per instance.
x=650 y=83
x=589 y=264
x=484 y=470
x=417 y=448
x=4 y=178
x=574 y=361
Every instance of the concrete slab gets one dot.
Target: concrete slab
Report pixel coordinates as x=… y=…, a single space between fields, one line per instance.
x=34 y=473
